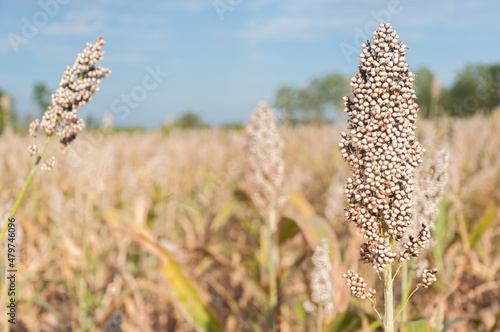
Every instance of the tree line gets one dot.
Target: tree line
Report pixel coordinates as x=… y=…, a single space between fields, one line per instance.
x=475 y=89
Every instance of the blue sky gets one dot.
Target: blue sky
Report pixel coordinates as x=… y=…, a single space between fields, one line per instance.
x=223 y=56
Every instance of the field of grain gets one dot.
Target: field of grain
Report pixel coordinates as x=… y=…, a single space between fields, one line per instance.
x=126 y=220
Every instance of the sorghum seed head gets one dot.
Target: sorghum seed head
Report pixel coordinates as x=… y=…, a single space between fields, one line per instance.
x=381 y=149
x=357 y=285
x=48 y=164
x=321 y=284
x=265 y=150
x=428 y=277
x=33 y=150
x=429 y=189
x=76 y=89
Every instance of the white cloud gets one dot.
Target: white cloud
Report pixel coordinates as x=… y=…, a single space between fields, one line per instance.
x=191 y=5
x=142 y=20
x=127 y=58
x=49 y=51
x=5 y=46
x=285 y=28
x=77 y=23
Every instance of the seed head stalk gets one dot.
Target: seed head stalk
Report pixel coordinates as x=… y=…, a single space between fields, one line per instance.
x=273 y=258
x=26 y=184
x=388 y=299
x=319 y=318
x=381 y=149
x=76 y=89
x=322 y=293
x=405 y=288
x=265 y=150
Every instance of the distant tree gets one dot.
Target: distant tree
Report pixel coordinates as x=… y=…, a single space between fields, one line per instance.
x=189 y=119
x=423 y=85
x=91 y=123
x=42 y=96
x=326 y=92
x=310 y=104
x=331 y=88
x=8 y=115
x=2 y=113
x=233 y=126
x=475 y=88
x=310 y=107
x=286 y=100
x=26 y=120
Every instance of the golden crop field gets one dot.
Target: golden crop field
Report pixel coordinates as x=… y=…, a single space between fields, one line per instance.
x=158 y=231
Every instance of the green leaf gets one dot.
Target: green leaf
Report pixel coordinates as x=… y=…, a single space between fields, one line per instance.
x=312 y=226
x=313 y=229
x=375 y=324
x=185 y=290
x=48 y=307
x=242 y=196
x=441 y=229
x=421 y=325
x=436 y=323
x=302 y=203
x=494 y=327
x=300 y=312
x=450 y=323
x=462 y=229
x=287 y=229
x=224 y=214
x=483 y=223
x=2 y=274
x=288 y=273
x=346 y=321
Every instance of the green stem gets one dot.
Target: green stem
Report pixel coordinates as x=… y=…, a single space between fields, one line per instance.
x=408 y=300
x=26 y=184
x=272 y=271
x=319 y=318
x=433 y=107
x=405 y=290
x=273 y=261
x=388 y=299
x=375 y=309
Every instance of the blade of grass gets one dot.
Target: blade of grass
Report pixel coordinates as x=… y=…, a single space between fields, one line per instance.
x=441 y=232
x=312 y=226
x=223 y=215
x=483 y=223
x=346 y=321
x=46 y=305
x=185 y=290
x=421 y=325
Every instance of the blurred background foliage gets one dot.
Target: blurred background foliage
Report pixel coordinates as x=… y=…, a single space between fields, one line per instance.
x=158 y=231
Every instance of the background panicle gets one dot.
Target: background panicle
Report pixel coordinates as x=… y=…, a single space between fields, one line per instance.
x=321 y=283
x=265 y=154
